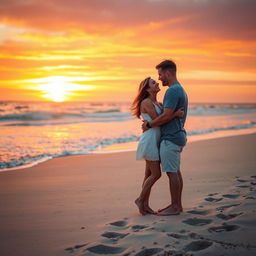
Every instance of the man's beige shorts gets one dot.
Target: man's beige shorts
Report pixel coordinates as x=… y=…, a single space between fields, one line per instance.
x=170 y=156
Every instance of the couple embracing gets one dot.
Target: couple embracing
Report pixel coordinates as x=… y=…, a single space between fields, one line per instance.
x=163 y=136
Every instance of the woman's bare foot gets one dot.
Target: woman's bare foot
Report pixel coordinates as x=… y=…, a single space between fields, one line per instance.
x=140 y=205
x=149 y=210
x=172 y=210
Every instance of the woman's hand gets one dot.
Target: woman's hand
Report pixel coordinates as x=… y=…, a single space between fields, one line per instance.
x=144 y=126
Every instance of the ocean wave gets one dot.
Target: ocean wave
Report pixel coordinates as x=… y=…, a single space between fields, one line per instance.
x=48 y=116
x=116 y=110
x=29 y=160
x=31 y=116
x=222 y=105
x=21 y=107
x=217 y=111
x=24 y=161
x=251 y=124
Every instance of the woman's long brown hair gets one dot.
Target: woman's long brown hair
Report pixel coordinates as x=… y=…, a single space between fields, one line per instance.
x=141 y=95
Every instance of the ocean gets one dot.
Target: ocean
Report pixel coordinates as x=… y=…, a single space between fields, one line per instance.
x=33 y=132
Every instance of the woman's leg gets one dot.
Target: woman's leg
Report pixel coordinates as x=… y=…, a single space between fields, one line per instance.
x=138 y=201
x=155 y=166
x=147 y=172
x=146 y=202
x=155 y=174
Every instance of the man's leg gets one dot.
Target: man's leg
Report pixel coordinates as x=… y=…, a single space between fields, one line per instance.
x=174 y=184
x=170 y=158
x=180 y=194
x=175 y=190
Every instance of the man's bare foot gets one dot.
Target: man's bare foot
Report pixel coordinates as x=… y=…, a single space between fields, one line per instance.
x=172 y=210
x=160 y=210
x=149 y=210
x=140 y=206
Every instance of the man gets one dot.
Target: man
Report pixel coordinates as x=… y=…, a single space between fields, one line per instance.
x=173 y=134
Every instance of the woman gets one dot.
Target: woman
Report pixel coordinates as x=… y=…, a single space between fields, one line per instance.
x=145 y=105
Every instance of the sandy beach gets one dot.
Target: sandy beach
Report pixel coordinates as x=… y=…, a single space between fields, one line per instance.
x=84 y=205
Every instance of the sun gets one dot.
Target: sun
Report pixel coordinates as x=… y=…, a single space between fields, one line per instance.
x=56 y=91
x=59 y=89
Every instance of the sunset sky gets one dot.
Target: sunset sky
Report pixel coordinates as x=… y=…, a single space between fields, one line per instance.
x=99 y=50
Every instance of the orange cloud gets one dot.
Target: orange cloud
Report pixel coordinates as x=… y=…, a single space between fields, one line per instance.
x=115 y=44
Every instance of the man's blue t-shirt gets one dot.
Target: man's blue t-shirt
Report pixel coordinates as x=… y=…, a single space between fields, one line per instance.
x=175 y=98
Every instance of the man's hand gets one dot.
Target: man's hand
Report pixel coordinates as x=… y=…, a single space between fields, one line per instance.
x=143 y=126
x=179 y=112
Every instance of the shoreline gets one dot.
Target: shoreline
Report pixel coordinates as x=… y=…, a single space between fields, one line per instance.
x=131 y=146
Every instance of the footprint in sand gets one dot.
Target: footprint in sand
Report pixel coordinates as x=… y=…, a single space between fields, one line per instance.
x=137 y=228
x=195 y=236
x=250 y=197
x=199 y=212
x=71 y=249
x=177 y=236
x=231 y=196
x=197 y=245
x=197 y=221
x=243 y=186
x=224 y=207
x=228 y=216
x=103 y=249
x=149 y=252
x=241 y=180
x=114 y=235
x=212 y=199
x=120 y=223
x=213 y=194
x=224 y=227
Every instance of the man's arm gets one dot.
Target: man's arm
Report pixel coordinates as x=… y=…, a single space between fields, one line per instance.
x=165 y=117
x=170 y=103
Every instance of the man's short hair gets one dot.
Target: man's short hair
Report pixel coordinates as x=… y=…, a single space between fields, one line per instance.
x=167 y=65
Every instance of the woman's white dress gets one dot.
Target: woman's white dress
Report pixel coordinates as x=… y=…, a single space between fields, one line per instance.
x=148 y=147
